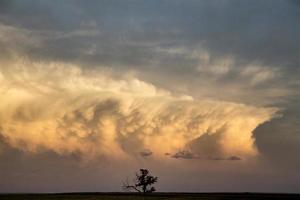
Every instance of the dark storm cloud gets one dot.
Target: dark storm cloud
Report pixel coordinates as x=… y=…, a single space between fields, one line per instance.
x=234 y=158
x=146 y=153
x=282 y=150
x=207 y=145
x=185 y=155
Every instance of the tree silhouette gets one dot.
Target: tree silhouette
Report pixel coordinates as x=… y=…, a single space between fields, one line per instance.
x=141 y=183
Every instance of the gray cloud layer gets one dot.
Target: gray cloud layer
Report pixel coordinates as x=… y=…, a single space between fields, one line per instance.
x=178 y=38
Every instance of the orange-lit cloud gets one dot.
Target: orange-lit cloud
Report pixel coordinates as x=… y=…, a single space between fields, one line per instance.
x=59 y=107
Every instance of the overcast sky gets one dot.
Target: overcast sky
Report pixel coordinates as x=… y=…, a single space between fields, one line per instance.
x=205 y=94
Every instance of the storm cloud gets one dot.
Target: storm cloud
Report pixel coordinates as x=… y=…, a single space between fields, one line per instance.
x=67 y=111
x=103 y=82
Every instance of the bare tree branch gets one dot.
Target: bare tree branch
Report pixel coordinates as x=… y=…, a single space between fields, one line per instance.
x=141 y=183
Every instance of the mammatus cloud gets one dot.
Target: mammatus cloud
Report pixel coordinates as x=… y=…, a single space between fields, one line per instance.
x=62 y=108
x=103 y=81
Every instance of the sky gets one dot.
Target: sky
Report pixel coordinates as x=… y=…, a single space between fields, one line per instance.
x=204 y=94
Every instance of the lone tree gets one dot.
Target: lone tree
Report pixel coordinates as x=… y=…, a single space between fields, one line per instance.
x=141 y=183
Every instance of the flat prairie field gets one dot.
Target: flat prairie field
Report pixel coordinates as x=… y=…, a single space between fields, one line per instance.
x=156 y=196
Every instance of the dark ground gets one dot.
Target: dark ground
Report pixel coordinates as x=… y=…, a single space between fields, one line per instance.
x=156 y=196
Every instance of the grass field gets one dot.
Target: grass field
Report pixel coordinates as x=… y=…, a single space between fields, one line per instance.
x=156 y=196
